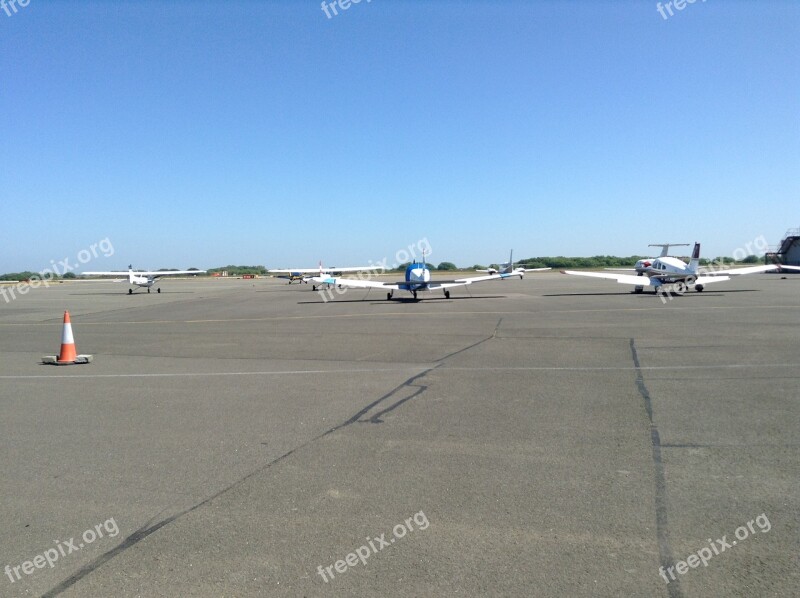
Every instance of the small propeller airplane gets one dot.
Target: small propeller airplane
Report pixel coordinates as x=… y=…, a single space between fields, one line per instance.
x=300 y=274
x=143 y=279
x=672 y=274
x=417 y=279
x=641 y=266
x=508 y=267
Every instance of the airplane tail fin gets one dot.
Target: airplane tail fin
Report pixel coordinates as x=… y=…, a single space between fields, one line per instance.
x=695 y=261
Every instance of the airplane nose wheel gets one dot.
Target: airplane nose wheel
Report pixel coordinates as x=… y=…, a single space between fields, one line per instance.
x=130 y=291
x=447 y=294
x=415 y=294
x=158 y=289
x=698 y=288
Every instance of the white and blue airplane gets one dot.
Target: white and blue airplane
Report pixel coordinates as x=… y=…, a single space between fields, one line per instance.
x=672 y=274
x=142 y=279
x=417 y=279
x=301 y=274
x=641 y=266
x=508 y=267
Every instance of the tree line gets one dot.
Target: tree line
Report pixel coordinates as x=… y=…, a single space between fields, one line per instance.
x=555 y=262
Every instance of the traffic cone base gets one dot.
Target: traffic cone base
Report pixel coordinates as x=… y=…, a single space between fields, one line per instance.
x=69 y=354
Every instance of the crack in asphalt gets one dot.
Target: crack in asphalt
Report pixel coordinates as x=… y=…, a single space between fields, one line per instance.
x=150 y=528
x=662 y=528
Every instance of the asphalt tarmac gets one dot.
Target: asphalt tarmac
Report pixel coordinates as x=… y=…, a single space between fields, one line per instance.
x=553 y=436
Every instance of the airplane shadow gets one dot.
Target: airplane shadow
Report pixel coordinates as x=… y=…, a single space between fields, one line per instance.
x=133 y=294
x=654 y=295
x=402 y=300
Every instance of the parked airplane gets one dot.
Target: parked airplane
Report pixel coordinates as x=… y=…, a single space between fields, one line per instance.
x=642 y=265
x=143 y=279
x=417 y=278
x=670 y=271
x=299 y=274
x=508 y=267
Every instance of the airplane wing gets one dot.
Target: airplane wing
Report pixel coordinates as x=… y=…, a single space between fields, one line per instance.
x=462 y=282
x=748 y=270
x=639 y=281
x=642 y=281
x=710 y=279
x=354 y=269
x=355 y=283
x=168 y=273
x=324 y=269
x=137 y=273
x=433 y=284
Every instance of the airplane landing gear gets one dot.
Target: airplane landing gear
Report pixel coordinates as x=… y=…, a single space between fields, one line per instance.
x=698 y=288
x=414 y=293
x=446 y=294
x=313 y=287
x=158 y=289
x=130 y=291
x=638 y=289
x=389 y=296
x=148 y=289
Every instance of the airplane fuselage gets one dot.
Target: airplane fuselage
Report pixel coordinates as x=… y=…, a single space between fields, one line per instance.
x=417 y=278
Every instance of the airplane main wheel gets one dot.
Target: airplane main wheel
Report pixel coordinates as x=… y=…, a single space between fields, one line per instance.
x=415 y=294
x=698 y=288
x=130 y=291
x=388 y=296
x=447 y=294
x=159 y=289
x=148 y=290
x=314 y=287
x=638 y=289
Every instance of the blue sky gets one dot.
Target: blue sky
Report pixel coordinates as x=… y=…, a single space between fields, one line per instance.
x=211 y=133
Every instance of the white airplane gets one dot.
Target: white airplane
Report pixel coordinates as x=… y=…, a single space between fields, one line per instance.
x=417 y=278
x=641 y=266
x=666 y=272
x=142 y=279
x=321 y=272
x=508 y=267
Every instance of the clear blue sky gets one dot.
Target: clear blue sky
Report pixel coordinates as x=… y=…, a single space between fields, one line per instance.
x=208 y=133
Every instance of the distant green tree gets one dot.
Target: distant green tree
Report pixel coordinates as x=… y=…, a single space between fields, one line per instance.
x=69 y=275
x=449 y=266
x=751 y=259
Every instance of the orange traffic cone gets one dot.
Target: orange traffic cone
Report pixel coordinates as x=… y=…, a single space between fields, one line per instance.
x=68 y=355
